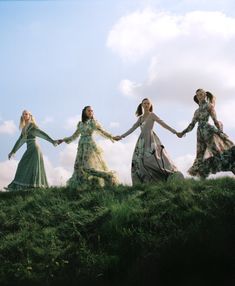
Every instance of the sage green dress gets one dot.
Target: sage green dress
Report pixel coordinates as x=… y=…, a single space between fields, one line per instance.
x=150 y=161
x=90 y=169
x=30 y=172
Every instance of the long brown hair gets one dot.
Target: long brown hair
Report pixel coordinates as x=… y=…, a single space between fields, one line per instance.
x=84 y=116
x=139 y=110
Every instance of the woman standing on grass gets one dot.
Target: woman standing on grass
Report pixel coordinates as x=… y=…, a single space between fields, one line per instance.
x=150 y=161
x=211 y=140
x=90 y=168
x=30 y=172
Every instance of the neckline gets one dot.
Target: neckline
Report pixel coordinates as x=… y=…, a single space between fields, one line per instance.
x=146 y=118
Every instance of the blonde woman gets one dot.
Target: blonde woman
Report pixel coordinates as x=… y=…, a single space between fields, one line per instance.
x=30 y=172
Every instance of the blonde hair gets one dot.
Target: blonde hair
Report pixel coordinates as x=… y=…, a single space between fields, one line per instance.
x=23 y=123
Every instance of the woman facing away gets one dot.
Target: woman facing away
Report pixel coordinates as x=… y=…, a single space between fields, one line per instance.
x=211 y=140
x=150 y=161
x=90 y=168
x=30 y=172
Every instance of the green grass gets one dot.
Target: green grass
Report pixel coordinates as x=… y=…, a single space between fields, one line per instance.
x=176 y=233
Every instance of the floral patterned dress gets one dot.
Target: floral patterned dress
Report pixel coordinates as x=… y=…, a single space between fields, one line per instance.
x=30 y=172
x=90 y=170
x=150 y=161
x=211 y=141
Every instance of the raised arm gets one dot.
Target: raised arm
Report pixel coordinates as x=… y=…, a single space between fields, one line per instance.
x=21 y=140
x=214 y=117
x=128 y=132
x=191 y=125
x=163 y=124
x=102 y=132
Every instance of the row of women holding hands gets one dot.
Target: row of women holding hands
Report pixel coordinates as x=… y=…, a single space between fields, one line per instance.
x=150 y=161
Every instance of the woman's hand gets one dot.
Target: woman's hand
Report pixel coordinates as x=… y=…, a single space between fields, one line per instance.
x=59 y=141
x=10 y=155
x=179 y=134
x=117 y=138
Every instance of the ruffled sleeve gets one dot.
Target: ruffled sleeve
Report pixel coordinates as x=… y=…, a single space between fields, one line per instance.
x=102 y=132
x=74 y=135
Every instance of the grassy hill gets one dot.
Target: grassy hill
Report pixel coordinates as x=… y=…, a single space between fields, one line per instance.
x=176 y=233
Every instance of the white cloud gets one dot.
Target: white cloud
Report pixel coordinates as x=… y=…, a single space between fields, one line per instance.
x=71 y=122
x=7 y=172
x=118 y=156
x=57 y=176
x=68 y=154
x=127 y=87
x=8 y=127
x=184 y=162
x=185 y=52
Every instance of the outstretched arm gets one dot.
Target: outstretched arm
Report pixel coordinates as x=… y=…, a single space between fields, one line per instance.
x=39 y=133
x=21 y=140
x=72 y=137
x=163 y=124
x=128 y=132
x=103 y=132
x=191 y=125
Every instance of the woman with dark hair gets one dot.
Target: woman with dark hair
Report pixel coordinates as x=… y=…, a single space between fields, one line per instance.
x=30 y=172
x=150 y=161
x=211 y=140
x=90 y=169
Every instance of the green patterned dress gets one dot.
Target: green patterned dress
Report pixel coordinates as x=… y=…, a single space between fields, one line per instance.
x=30 y=172
x=90 y=169
x=150 y=161
x=211 y=142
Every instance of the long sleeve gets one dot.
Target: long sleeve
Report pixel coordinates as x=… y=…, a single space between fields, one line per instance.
x=21 y=140
x=136 y=125
x=72 y=137
x=214 y=117
x=191 y=125
x=39 y=133
x=163 y=124
x=103 y=132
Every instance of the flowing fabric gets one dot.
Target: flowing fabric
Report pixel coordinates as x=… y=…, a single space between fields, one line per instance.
x=211 y=141
x=90 y=169
x=30 y=171
x=150 y=161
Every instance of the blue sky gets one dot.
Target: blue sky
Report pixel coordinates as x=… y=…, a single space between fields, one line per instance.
x=58 y=56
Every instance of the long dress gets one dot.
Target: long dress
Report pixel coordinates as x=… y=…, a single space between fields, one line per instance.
x=211 y=140
x=90 y=169
x=150 y=161
x=30 y=172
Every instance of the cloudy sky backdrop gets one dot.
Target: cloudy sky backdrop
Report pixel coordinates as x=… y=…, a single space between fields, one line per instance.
x=58 y=56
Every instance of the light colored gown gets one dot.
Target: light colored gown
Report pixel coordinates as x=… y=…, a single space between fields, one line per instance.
x=150 y=161
x=90 y=169
x=30 y=172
